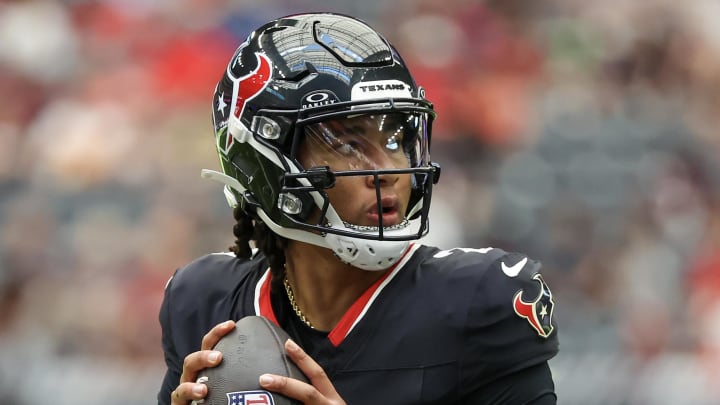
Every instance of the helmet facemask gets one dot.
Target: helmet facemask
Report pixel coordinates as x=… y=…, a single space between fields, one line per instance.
x=383 y=151
x=376 y=145
x=387 y=152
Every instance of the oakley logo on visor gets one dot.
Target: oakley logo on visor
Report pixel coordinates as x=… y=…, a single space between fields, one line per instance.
x=318 y=98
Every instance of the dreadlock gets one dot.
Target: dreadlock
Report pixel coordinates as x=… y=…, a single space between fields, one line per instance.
x=273 y=246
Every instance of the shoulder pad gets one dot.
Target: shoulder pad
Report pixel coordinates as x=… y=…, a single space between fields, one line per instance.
x=519 y=285
x=507 y=284
x=511 y=318
x=211 y=274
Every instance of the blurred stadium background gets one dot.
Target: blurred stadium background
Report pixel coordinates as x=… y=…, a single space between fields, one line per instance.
x=583 y=133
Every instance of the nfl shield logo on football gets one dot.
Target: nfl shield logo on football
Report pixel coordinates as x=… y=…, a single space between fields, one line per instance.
x=250 y=398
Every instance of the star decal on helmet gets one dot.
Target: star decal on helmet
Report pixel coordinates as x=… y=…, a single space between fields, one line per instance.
x=221 y=104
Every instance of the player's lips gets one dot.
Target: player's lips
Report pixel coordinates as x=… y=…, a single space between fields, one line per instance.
x=390 y=209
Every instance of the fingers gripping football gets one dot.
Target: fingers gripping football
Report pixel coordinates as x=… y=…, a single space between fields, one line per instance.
x=321 y=392
x=189 y=390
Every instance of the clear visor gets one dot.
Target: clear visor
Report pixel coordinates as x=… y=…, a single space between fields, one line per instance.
x=396 y=140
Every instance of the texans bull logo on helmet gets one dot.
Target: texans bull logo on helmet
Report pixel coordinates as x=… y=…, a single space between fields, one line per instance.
x=539 y=310
x=245 y=88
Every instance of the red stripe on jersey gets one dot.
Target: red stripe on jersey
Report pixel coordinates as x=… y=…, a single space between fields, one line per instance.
x=263 y=305
x=341 y=330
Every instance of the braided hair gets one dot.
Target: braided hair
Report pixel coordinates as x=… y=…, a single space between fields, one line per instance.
x=272 y=245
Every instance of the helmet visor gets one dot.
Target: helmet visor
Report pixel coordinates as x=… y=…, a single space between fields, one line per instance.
x=396 y=140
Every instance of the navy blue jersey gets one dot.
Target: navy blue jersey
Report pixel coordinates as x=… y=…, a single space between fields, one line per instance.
x=453 y=326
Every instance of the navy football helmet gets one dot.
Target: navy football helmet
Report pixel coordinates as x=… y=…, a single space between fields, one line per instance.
x=311 y=76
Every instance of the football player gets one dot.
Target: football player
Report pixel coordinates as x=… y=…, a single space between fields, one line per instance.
x=323 y=138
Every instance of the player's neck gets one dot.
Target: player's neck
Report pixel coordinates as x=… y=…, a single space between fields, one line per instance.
x=323 y=287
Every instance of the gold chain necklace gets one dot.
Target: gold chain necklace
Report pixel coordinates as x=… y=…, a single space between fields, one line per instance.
x=291 y=298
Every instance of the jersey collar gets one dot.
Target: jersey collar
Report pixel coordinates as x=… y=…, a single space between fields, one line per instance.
x=354 y=314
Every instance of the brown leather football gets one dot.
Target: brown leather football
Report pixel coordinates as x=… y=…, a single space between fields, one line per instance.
x=256 y=346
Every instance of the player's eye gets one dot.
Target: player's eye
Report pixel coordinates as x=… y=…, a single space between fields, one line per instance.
x=393 y=143
x=347 y=146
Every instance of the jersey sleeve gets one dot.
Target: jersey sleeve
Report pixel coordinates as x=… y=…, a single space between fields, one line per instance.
x=198 y=296
x=510 y=325
x=172 y=360
x=532 y=386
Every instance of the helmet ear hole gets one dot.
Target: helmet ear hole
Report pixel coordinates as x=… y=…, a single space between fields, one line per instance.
x=296 y=201
x=266 y=127
x=290 y=204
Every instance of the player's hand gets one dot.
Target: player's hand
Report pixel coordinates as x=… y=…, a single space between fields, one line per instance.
x=189 y=390
x=321 y=392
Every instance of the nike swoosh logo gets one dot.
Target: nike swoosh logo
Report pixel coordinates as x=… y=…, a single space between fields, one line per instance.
x=514 y=270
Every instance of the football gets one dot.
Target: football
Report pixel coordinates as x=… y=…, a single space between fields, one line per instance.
x=256 y=346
